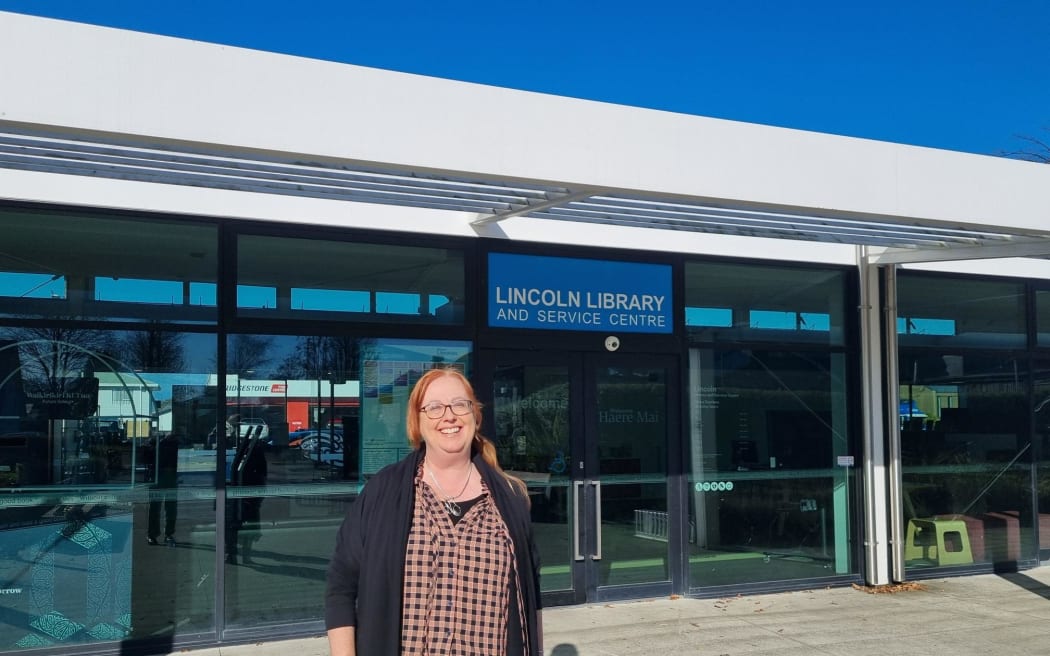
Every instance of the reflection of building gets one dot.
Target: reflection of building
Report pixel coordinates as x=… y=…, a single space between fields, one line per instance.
x=301 y=404
x=128 y=398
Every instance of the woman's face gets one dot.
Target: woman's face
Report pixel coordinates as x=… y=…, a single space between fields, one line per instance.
x=450 y=434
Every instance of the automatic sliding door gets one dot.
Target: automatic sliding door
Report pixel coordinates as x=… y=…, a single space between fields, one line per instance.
x=589 y=435
x=627 y=413
x=532 y=427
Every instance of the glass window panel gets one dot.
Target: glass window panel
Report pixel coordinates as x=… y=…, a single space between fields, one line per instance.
x=631 y=436
x=920 y=326
x=65 y=266
x=88 y=577
x=308 y=418
x=395 y=303
x=774 y=320
x=948 y=311
x=1041 y=421
x=331 y=300
x=308 y=278
x=138 y=290
x=251 y=296
x=112 y=504
x=32 y=285
x=966 y=459
x=1042 y=309
x=768 y=499
x=203 y=293
x=531 y=412
x=435 y=302
x=748 y=302
x=697 y=316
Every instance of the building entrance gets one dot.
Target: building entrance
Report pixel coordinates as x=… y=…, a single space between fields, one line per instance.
x=591 y=435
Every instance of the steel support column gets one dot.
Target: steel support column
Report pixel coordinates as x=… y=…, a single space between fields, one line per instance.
x=875 y=494
x=893 y=422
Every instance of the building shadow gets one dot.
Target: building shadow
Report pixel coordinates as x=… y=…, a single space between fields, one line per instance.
x=565 y=650
x=1026 y=582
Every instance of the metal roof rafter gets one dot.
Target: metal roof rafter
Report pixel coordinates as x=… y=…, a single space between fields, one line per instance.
x=802 y=227
x=873 y=223
x=737 y=230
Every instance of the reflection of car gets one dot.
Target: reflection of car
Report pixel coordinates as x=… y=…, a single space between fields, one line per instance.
x=296 y=438
x=251 y=427
x=323 y=447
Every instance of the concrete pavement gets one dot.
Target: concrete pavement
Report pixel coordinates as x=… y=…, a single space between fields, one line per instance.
x=1005 y=615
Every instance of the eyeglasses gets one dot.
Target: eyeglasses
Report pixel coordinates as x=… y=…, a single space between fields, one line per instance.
x=436 y=409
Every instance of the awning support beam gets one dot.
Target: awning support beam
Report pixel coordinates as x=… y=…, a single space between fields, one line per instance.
x=580 y=194
x=1018 y=248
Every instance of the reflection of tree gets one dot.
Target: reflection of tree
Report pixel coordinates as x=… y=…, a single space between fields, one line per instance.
x=50 y=357
x=324 y=357
x=543 y=430
x=248 y=353
x=547 y=433
x=154 y=350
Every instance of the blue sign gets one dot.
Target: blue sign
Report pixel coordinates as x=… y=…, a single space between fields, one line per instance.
x=560 y=293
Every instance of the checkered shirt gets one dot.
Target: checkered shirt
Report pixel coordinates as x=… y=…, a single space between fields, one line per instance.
x=457 y=580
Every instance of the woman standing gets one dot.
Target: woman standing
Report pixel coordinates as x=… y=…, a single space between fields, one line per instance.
x=436 y=555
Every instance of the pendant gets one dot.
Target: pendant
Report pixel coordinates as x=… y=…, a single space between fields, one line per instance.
x=452 y=507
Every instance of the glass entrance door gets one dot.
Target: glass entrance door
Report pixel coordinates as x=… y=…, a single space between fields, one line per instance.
x=589 y=434
x=626 y=420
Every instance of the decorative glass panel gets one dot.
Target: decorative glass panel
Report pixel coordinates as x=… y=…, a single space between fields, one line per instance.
x=109 y=504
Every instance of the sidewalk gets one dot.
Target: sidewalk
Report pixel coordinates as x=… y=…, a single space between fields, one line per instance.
x=1005 y=615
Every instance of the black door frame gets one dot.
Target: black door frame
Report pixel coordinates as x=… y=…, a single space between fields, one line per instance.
x=584 y=472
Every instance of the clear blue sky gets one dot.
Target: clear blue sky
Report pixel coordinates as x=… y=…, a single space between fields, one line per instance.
x=963 y=74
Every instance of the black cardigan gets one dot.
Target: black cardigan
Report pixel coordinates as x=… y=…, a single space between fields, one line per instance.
x=366 y=573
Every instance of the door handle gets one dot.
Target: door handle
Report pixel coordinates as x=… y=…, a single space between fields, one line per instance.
x=597 y=520
x=576 y=487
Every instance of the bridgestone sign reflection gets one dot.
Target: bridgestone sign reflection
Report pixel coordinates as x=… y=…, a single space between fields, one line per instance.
x=556 y=293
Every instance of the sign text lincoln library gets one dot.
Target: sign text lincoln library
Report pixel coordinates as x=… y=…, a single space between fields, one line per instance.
x=559 y=293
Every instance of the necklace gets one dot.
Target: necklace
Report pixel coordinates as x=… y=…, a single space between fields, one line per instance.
x=450 y=501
